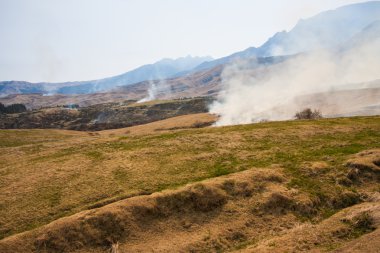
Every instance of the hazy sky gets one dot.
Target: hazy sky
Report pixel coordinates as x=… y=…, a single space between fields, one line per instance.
x=66 y=40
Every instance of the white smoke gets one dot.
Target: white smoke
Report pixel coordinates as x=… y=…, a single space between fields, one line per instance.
x=152 y=93
x=251 y=95
x=156 y=90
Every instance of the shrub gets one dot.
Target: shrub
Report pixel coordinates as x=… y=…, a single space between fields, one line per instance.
x=308 y=114
x=2 y=108
x=364 y=223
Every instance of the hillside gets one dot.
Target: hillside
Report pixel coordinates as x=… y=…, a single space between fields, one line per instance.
x=104 y=116
x=357 y=99
x=334 y=103
x=202 y=83
x=269 y=187
x=350 y=100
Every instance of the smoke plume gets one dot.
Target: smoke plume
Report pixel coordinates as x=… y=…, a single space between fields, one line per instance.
x=156 y=89
x=269 y=92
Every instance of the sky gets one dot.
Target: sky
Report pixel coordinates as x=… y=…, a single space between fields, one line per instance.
x=74 y=40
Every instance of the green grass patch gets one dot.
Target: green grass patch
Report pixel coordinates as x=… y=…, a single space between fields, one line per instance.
x=95 y=155
x=120 y=175
x=224 y=166
x=63 y=153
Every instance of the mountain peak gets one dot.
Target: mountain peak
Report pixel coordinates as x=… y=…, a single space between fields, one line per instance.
x=326 y=29
x=185 y=59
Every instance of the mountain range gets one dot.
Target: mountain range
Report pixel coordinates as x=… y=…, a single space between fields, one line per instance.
x=162 y=69
x=325 y=30
x=340 y=28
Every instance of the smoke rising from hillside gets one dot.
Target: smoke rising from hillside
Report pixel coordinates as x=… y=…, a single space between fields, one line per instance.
x=268 y=92
x=152 y=93
x=156 y=88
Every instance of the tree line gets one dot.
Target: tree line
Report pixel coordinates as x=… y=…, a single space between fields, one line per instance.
x=13 y=108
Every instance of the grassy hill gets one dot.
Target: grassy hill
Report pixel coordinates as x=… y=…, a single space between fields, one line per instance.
x=267 y=186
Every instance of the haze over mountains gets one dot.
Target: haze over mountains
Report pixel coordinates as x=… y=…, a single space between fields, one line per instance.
x=164 y=68
x=336 y=30
x=325 y=30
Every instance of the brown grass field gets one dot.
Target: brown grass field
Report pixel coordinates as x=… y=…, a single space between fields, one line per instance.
x=170 y=186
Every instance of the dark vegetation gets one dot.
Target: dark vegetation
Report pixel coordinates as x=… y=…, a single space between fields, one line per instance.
x=13 y=108
x=104 y=116
x=71 y=106
x=308 y=114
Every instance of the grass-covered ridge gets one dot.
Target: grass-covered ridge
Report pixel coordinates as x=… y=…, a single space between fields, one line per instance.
x=47 y=174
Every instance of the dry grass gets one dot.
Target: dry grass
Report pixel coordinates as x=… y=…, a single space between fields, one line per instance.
x=152 y=102
x=218 y=214
x=48 y=174
x=134 y=217
x=328 y=235
x=162 y=126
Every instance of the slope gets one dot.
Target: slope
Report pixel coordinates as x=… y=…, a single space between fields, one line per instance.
x=290 y=173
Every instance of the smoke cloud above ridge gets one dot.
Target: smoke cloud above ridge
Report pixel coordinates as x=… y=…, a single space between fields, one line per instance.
x=268 y=92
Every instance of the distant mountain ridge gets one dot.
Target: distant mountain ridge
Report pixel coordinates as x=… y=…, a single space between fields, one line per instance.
x=346 y=25
x=370 y=34
x=325 y=30
x=162 y=69
x=20 y=87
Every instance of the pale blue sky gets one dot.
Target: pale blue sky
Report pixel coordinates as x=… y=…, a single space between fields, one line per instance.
x=66 y=40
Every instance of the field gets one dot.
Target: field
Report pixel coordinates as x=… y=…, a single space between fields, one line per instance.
x=248 y=184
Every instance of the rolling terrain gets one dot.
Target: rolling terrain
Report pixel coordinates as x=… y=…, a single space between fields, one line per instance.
x=269 y=187
x=352 y=100
x=104 y=116
x=164 y=158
